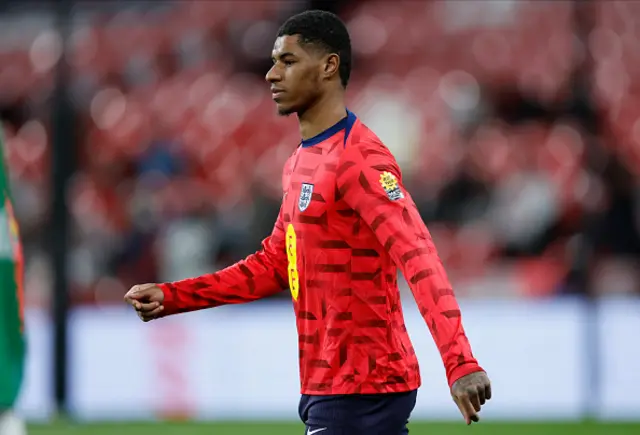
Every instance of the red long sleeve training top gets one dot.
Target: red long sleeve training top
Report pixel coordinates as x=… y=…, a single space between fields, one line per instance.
x=345 y=225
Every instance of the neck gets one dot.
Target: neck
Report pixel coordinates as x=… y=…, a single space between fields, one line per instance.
x=326 y=112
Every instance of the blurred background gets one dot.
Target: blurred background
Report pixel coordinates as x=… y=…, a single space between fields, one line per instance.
x=143 y=146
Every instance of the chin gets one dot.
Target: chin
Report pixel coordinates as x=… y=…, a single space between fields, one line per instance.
x=286 y=111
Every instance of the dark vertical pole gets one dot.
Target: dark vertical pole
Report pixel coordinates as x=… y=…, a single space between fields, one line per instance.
x=62 y=160
x=585 y=114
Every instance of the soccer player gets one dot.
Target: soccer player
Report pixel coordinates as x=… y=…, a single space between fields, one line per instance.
x=12 y=344
x=345 y=225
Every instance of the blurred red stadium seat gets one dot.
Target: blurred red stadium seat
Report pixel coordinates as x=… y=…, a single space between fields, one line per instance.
x=224 y=122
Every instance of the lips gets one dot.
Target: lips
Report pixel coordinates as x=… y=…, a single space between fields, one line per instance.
x=276 y=92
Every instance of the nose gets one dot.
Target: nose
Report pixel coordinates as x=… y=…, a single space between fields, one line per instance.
x=272 y=75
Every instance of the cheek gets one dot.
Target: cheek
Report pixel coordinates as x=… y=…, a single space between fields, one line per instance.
x=303 y=83
x=309 y=83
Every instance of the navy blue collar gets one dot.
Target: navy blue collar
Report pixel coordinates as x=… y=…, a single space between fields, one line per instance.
x=345 y=124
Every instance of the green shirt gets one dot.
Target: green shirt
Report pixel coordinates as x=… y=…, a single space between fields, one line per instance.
x=12 y=343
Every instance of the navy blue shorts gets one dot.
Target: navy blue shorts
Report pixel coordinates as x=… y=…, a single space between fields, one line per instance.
x=358 y=414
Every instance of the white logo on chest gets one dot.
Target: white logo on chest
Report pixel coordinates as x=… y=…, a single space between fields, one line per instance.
x=306 y=191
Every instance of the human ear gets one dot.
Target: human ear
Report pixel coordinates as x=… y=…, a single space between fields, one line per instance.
x=331 y=66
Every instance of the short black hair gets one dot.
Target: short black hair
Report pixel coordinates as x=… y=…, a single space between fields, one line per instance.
x=327 y=31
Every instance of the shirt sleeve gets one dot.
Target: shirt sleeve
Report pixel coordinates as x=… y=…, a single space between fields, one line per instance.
x=259 y=275
x=369 y=181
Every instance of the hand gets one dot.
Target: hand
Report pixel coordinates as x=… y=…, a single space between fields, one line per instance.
x=470 y=392
x=147 y=300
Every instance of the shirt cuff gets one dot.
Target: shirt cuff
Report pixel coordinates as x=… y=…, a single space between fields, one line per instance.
x=169 y=302
x=462 y=371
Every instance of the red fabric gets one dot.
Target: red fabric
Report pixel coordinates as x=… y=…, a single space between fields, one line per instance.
x=337 y=244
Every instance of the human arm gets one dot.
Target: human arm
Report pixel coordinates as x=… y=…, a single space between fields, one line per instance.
x=369 y=181
x=259 y=275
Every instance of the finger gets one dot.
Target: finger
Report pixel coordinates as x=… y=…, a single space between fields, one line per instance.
x=469 y=412
x=144 y=317
x=152 y=314
x=147 y=307
x=466 y=409
x=135 y=304
x=130 y=300
x=482 y=395
x=133 y=300
x=156 y=312
x=474 y=398
x=487 y=391
x=138 y=292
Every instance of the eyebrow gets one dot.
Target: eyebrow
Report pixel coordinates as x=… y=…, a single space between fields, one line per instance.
x=281 y=55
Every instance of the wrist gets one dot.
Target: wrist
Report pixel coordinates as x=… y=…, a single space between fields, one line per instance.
x=462 y=371
x=169 y=300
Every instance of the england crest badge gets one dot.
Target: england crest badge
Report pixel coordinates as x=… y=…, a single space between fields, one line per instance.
x=389 y=183
x=306 y=190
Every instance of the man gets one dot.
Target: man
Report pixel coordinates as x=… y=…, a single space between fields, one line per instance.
x=345 y=224
x=12 y=344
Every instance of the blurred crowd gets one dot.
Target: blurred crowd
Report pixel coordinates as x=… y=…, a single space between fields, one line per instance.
x=516 y=124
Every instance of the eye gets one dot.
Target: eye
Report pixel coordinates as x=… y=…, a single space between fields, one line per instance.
x=288 y=62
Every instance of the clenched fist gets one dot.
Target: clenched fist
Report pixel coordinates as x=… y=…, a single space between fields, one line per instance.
x=470 y=393
x=147 y=300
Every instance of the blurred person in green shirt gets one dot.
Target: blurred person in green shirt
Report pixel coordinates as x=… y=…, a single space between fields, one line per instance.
x=12 y=340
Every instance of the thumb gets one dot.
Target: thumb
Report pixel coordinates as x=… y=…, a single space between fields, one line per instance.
x=466 y=408
x=138 y=292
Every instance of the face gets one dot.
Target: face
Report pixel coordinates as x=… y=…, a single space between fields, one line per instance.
x=297 y=75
